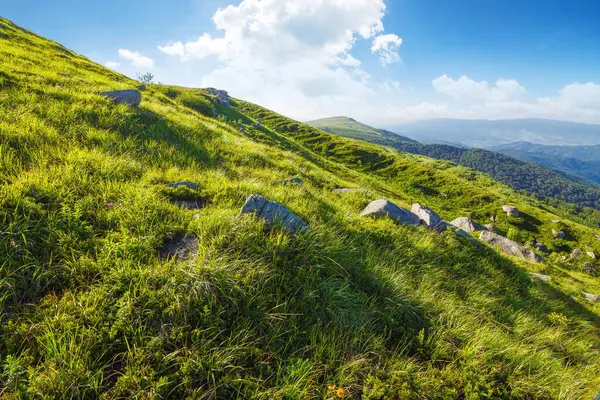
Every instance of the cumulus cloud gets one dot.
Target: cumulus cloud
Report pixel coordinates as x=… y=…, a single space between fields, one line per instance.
x=112 y=64
x=465 y=89
x=293 y=55
x=387 y=47
x=136 y=58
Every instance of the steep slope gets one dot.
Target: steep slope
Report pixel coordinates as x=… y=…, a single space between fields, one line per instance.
x=351 y=128
x=90 y=309
x=547 y=183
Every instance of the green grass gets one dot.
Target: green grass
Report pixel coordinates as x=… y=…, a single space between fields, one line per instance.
x=89 y=309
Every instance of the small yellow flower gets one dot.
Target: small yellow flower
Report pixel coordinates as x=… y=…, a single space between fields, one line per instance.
x=331 y=388
x=340 y=393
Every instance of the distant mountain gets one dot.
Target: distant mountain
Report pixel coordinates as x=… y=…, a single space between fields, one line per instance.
x=537 y=177
x=583 y=161
x=486 y=133
x=351 y=128
x=583 y=153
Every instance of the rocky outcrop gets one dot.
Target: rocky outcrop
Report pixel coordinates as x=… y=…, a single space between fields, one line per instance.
x=510 y=247
x=510 y=211
x=558 y=234
x=182 y=247
x=273 y=213
x=290 y=181
x=540 y=277
x=427 y=216
x=386 y=209
x=132 y=98
x=222 y=97
x=467 y=225
x=187 y=184
x=490 y=227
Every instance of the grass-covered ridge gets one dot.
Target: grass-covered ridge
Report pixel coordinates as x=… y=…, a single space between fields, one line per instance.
x=89 y=308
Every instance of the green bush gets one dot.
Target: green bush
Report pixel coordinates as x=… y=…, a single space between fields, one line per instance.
x=197 y=102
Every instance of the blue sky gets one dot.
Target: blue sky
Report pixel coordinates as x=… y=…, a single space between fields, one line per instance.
x=384 y=62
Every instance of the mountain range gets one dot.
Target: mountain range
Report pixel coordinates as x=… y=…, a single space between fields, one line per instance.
x=487 y=133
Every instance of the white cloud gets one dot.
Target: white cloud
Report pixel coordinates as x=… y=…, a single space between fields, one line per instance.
x=465 y=89
x=387 y=47
x=112 y=64
x=136 y=58
x=292 y=55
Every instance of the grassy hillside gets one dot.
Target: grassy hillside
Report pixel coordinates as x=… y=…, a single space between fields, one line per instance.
x=351 y=128
x=354 y=308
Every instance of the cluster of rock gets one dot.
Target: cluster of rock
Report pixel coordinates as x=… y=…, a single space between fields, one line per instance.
x=222 y=97
x=273 y=213
x=130 y=97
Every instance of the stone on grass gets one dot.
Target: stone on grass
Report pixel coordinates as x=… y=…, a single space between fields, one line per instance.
x=591 y=255
x=349 y=190
x=221 y=95
x=556 y=221
x=427 y=216
x=541 y=247
x=510 y=247
x=444 y=225
x=558 y=234
x=384 y=208
x=544 y=278
x=594 y=298
x=273 y=213
x=597 y=237
x=290 y=181
x=589 y=268
x=490 y=227
x=182 y=247
x=467 y=224
x=576 y=254
x=188 y=204
x=132 y=98
x=511 y=211
x=187 y=184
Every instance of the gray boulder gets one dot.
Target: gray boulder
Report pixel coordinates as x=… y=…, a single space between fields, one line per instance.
x=511 y=211
x=541 y=247
x=182 y=248
x=384 y=208
x=467 y=225
x=540 y=277
x=490 y=227
x=222 y=97
x=189 y=185
x=444 y=225
x=291 y=181
x=510 y=247
x=589 y=268
x=273 y=213
x=427 y=216
x=132 y=98
x=576 y=254
x=591 y=297
x=349 y=190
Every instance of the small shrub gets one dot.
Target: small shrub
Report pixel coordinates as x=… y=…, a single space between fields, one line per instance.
x=198 y=103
